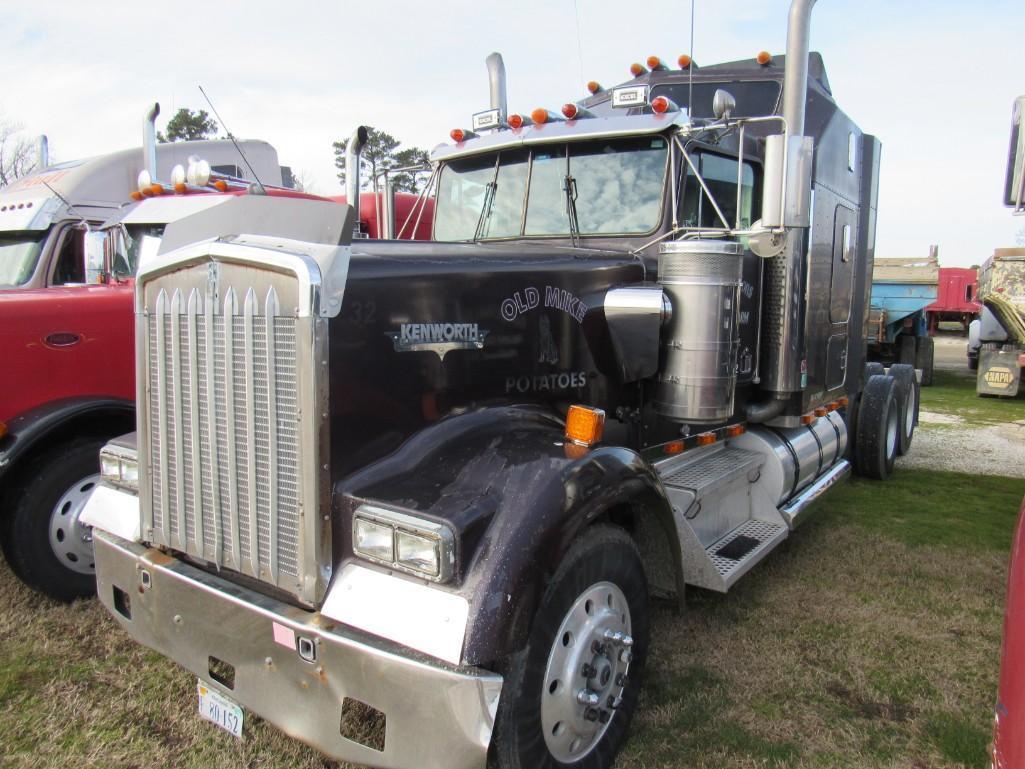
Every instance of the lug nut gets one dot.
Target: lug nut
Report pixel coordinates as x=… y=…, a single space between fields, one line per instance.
x=587 y=697
x=588 y=671
x=627 y=641
x=626 y=656
x=614 y=702
x=613 y=635
x=598 y=647
x=591 y=714
x=604 y=716
x=622 y=680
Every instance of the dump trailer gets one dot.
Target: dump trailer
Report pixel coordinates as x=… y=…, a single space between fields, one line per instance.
x=898 y=326
x=67 y=328
x=1001 y=334
x=409 y=501
x=956 y=298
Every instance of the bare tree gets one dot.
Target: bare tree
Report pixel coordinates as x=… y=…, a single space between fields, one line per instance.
x=302 y=180
x=17 y=154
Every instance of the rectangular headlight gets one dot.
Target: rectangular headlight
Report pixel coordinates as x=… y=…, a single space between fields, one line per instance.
x=119 y=466
x=404 y=542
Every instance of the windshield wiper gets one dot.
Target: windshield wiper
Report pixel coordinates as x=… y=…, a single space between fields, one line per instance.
x=489 y=199
x=569 y=186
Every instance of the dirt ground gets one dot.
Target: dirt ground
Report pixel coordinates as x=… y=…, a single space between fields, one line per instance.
x=955 y=441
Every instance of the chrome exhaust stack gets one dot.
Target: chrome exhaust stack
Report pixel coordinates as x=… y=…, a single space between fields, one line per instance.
x=353 y=149
x=42 y=152
x=149 y=140
x=496 y=81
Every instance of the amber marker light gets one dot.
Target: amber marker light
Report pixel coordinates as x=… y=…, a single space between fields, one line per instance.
x=684 y=61
x=136 y=195
x=843 y=400
x=706 y=439
x=637 y=69
x=807 y=419
x=180 y=188
x=539 y=116
x=821 y=411
x=674 y=447
x=764 y=58
x=833 y=405
x=655 y=64
x=584 y=425
x=221 y=185
x=734 y=431
x=156 y=189
x=594 y=87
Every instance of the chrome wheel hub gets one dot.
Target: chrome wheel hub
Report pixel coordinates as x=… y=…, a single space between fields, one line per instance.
x=892 y=425
x=586 y=672
x=909 y=412
x=70 y=539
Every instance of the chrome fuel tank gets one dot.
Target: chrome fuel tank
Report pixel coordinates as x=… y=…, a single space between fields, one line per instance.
x=698 y=375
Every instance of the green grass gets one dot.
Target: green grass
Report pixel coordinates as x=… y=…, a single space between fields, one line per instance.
x=959 y=739
x=953 y=392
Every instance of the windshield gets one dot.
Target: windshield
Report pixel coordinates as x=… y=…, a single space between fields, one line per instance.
x=139 y=243
x=612 y=186
x=19 y=252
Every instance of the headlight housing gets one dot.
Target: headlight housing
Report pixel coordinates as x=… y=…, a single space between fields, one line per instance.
x=404 y=542
x=119 y=467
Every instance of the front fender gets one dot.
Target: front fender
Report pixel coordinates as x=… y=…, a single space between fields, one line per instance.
x=28 y=430
x=516 y=496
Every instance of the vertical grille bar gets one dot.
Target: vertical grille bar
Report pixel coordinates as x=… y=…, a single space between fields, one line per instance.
x=194 y=308
x=211 y=423
x=176 y=389
x=230 y=306
x=161 y=363
x=270 y=312
x=249 y=309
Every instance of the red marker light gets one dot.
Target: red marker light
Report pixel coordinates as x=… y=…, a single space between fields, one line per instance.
x=570 y=110
x=637 y=69
x=661 y=105
x=684 y=61
x=458 y=135
x=515 y=121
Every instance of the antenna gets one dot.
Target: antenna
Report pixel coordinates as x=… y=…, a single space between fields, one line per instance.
x=690 y=69
x=71 y=208
x=260 y=190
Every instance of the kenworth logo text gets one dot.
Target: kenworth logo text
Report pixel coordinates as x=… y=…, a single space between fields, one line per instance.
x=441 y=338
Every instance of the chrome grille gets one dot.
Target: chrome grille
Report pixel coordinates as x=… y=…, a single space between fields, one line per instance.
x=222 y=389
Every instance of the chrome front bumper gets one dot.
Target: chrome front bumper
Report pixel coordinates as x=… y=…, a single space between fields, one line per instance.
x=437 y=716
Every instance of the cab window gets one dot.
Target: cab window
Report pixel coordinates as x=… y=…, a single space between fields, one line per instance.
x=719 y=173
x=70 y=264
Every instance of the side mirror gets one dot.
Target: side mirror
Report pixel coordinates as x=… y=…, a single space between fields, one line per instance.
x=95 y=256
x=1014 y=186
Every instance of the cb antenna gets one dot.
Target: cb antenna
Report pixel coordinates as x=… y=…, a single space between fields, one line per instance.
x=71 y=208
x=690 y=69
x=260 y=190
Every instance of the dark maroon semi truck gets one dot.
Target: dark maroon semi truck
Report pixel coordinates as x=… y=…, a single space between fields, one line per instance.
x=434 y=484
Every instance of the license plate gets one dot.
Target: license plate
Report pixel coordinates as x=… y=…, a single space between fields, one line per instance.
x=215 y=707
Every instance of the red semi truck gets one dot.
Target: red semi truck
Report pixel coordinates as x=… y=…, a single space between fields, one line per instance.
x=956 y=299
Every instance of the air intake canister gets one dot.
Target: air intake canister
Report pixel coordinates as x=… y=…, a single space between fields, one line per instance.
x=698 y=372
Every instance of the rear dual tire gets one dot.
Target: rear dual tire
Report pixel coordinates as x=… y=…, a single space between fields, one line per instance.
x=877 y=430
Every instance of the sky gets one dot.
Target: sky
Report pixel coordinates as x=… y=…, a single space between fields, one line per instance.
x=933 y=80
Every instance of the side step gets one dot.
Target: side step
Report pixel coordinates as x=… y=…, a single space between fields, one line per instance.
x=735 y=554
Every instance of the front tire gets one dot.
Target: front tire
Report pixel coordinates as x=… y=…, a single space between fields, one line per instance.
x=570 y=693
x=47 y=546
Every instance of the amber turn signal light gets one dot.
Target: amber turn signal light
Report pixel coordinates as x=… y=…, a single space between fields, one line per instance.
x=734 y=431
x=584 y=425
x=674 y=447
x=706 y=439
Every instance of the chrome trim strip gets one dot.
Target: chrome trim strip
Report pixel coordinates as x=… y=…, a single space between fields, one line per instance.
x=176 y=385
x=230 y=307
x=249 y=308
x=792 y=511
x=271 y=310
x=161 y=312
x=194 y=305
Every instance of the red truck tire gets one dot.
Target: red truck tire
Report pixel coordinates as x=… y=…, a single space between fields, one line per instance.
x=44 y=542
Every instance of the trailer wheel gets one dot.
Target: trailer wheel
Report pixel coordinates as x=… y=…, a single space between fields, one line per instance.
x=924 y=352
x=878 y=428
x=569 y=695
x=47 y=546
x=906 y=349
x=907 y=404
x=973 y=362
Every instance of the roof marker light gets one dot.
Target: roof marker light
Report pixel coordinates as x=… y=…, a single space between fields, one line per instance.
x=516 y=120
x=764 y=58
x=594 y=87
x=541 y=116
x=661 y=104
x=573 y=111
x=136 y=195
x=144 y=181
x=178 y=178
x=221 y=185
x=459 y=135
x=198 y=172
x=655 y=64
x=684 y=61
x=637 y=69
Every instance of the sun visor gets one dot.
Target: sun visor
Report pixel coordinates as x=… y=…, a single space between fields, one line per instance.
x=310 y=221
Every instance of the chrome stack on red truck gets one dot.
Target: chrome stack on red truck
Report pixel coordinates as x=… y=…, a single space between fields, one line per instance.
x=437 y=484
x=72 y=236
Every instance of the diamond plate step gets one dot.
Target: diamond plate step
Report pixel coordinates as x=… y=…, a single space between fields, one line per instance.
x=757 y=539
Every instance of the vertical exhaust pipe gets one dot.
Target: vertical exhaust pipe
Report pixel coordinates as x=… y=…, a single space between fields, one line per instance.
x=149 y=140
x=795 y=71
x=353 y=149
x=496 y=81
x=42 y=152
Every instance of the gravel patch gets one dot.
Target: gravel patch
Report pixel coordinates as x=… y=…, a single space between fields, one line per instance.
x=992 y=450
